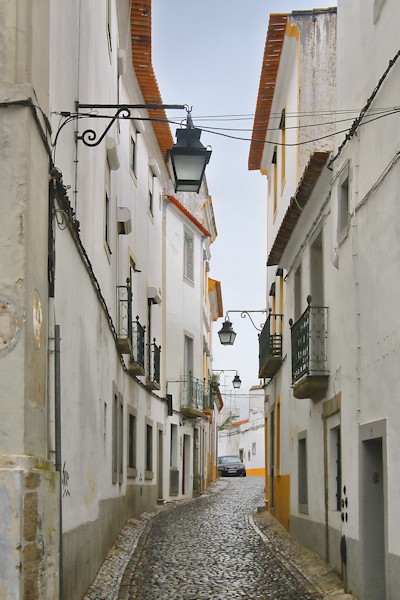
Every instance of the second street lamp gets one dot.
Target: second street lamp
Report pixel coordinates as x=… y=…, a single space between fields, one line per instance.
x=227 y=335
x=236 y=381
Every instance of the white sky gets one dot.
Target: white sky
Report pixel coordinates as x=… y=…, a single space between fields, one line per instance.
x=208 y=54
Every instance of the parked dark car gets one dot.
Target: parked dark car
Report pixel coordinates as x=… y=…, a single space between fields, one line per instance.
x=231 y=466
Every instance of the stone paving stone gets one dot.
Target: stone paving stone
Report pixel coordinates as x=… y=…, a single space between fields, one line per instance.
x=214 y=547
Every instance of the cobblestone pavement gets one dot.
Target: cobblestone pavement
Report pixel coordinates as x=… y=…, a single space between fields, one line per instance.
x=214 y=547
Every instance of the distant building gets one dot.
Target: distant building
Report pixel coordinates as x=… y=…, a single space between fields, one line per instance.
x=245 y=438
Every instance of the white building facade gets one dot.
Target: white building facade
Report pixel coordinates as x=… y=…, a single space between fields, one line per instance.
x=332 y=246
x=89 y=291
x=245 y=438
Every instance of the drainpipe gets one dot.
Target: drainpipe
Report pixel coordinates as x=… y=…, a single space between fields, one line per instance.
x=57 y=414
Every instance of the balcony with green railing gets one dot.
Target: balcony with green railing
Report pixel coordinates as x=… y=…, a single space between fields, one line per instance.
x=310 y=373
x=270 y=346
x=196 y=397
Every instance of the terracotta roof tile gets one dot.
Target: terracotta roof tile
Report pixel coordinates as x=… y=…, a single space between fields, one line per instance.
x=269 y=71
x=142 y=62
x=188 y=215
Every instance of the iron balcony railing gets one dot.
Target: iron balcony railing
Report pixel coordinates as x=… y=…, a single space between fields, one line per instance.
x=138 y=343
x=195 y=394
x=124 y=306
x=154 y=362
x=309 y=341
x=208 y=401
x=270 y=346
x=131 y=334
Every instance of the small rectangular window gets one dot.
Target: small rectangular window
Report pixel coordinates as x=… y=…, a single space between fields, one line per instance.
x=107 y=210
x=189 y=256
x=302 y=473
x=115 y=439
x=120 y=441
x=297 y=294
x=173 y=455
x=131 y=467
x=117 y=436
x=132 y=442
x=151 y=191
x=335 y=469
x=282 y=127
x=132 y=162
x=108 y=24
x=149 y=451
x=107 y=221
x=343 y=206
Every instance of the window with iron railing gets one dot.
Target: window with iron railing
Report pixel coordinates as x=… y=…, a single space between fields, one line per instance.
x=309 y=342
x=138 y=342
x=270 y=346
x=195 y=394
x=154 y=357
x=131 y=334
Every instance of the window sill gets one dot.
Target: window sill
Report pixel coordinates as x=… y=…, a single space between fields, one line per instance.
x=303 y=508
x=107 y=251
x=130 y=472
x=148 y=475
x=133 y=176
x=188 y=281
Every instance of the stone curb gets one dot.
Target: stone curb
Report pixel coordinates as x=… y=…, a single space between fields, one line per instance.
x=308 y=566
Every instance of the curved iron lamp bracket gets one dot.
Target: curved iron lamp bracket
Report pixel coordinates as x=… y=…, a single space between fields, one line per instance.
x=246 y=313
x=123 y=111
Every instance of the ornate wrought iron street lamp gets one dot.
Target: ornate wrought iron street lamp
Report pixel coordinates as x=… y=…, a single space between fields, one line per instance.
x=187 y=159
x=227 y=335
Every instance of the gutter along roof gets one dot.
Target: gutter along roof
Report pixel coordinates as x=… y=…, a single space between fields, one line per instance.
x=142 y=63
x=269 y=72
x=306 y=186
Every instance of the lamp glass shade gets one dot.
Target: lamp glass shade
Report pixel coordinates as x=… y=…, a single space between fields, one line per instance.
x=187 y=160
x=236 y=382
x=226 y=334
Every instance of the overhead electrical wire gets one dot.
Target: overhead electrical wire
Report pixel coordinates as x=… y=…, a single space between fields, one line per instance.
x=358 y=121
x=294 y=144
x=377 y=113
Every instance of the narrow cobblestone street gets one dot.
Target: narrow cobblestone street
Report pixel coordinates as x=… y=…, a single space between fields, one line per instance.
x=213 y=548
x=208 y=549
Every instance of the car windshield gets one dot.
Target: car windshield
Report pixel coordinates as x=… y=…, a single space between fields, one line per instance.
x=228 y=459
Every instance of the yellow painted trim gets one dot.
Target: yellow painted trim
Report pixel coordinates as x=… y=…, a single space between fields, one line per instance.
x=282 y=500
x=292 y=30
x=264 y=172
x=278 y=436
x=260 y=472
x=267 y=490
